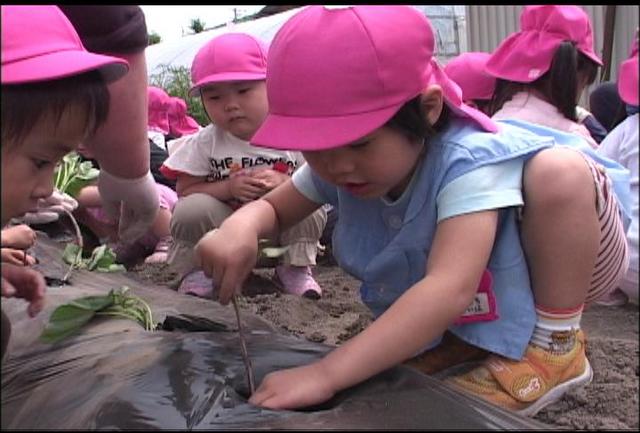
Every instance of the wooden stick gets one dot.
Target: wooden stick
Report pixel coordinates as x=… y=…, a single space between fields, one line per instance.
x=243 y=346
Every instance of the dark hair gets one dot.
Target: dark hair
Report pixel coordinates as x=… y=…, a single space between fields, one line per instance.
x=25 y=104
x=559 y=84
x=411 y=121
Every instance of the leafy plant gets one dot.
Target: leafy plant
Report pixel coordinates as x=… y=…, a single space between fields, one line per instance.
x=176 y=81
x=67 y=319
x=154 y=38
x=73 y=174
x=102 y=259
x=197 y=25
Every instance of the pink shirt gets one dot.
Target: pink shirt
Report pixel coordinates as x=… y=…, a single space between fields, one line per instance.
x=528 y=107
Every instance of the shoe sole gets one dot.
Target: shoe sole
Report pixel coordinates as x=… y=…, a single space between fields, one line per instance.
x=557 y=392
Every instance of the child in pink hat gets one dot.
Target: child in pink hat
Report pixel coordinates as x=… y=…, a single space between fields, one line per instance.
x=54 y=94
x=621 y=145
x=218 y=170
x=468 y=71
x=179 y=122
x=541 y=71
x=428 y=192
x=539 y=79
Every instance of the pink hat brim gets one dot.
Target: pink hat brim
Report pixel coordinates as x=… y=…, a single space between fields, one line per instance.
x=226 y=76
x=628 y=81
x=63 y=64
x=322 y=133
x=318 y=133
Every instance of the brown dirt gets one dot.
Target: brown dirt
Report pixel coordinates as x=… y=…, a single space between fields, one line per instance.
x=609 y=402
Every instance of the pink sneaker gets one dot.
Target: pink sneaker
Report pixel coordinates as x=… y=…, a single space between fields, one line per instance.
x=161 y=251
x=297 y=280
x=198 y=284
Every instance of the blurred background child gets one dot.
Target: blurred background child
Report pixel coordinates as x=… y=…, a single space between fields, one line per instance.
x=218 y=170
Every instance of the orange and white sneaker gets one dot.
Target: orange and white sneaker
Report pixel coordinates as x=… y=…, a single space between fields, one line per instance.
x=539 y=379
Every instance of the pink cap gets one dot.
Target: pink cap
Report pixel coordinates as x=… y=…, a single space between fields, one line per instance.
x=179 y=122
x=468 y=72
x=229 y=57
x=329 y=88
x=159 y=104
x=628 y=76
x=526 y=55
x=39 y=44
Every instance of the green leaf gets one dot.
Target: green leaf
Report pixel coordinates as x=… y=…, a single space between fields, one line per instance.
x=273 y=252
x=72 y=255
x=103 y=259
x=65 y=321
x=71 y=175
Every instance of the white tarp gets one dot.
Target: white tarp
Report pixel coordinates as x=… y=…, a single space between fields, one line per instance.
x=447 y=23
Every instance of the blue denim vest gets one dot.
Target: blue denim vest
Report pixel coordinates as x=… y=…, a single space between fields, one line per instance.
x=386 y=245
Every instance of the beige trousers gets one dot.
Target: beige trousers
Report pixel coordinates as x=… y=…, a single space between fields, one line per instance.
x=196 y=214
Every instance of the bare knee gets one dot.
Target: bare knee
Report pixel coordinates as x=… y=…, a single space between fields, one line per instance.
x=558 y=177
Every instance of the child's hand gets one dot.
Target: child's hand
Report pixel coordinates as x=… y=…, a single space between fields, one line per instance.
x=20 y=236
x=25 y=283
x=293 y=388
x=17 y=257
x=246 y=188
x=270 y=178
x=227 y=256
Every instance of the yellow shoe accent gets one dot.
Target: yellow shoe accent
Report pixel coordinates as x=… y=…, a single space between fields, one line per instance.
x=539 y=379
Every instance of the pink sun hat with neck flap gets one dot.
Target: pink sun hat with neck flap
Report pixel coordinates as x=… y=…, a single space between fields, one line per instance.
x=628 y=76
x=335 y=75
x=526 y=55
x=468 y=72
x=158 y=110
x=179 y=122
x=39 y=43
x=229 y=57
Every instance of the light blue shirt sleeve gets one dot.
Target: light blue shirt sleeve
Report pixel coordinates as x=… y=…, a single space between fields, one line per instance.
x=490 y=187
x=303 y=181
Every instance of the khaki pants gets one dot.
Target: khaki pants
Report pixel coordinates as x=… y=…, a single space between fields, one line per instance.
x=197 y=214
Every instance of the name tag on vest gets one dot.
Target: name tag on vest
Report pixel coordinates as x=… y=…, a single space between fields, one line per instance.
x=483 y=307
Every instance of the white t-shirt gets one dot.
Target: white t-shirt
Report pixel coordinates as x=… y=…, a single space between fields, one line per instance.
x=621 y=145
x=218 y=155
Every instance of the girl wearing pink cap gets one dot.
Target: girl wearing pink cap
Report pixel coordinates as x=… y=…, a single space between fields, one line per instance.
x=54 y=94
x=219 y=171
x=428 y=192
x=541 y=71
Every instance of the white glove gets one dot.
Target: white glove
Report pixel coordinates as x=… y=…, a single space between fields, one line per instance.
x=133 y=202
x=49 y=209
